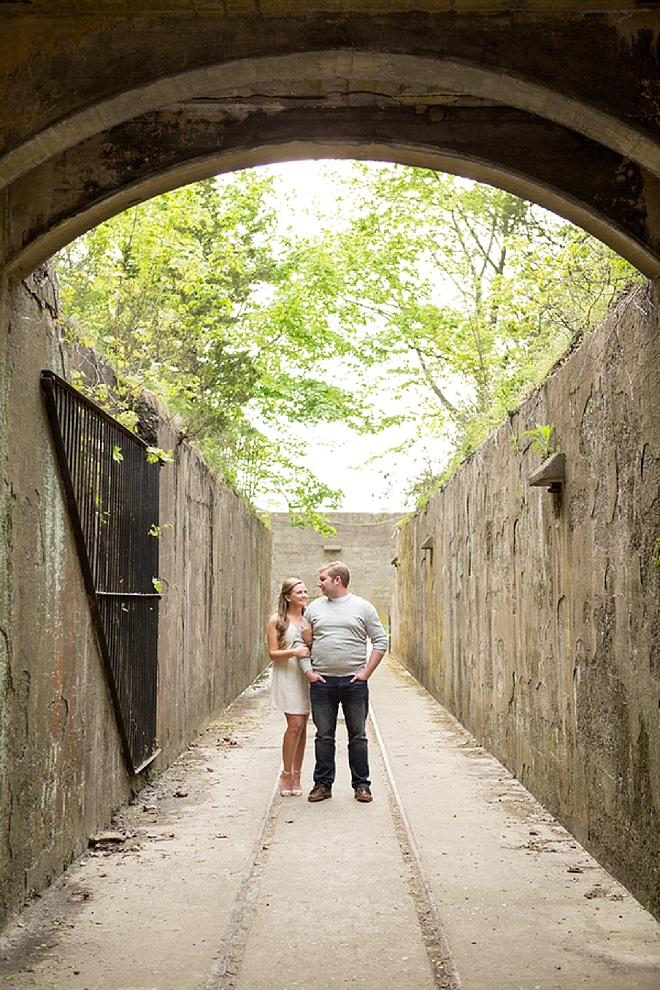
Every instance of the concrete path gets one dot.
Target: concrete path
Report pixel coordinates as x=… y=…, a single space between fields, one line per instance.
x=454 y=877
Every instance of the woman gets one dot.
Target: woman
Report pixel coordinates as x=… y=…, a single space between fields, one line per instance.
x=290 y=689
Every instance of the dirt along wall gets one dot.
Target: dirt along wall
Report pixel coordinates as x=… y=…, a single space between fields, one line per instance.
x=61 y=766
x=534 y=618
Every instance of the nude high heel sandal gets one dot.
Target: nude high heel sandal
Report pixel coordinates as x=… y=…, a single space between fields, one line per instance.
x=285 y=784
x=296 y=789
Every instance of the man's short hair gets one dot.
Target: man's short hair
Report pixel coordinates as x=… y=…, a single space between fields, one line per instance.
x=337 y=569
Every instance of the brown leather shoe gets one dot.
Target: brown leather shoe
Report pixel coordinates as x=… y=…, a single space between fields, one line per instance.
x=319 y=792
x=363 y=793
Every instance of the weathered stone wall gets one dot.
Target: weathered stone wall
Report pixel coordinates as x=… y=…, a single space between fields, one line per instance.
x=365 y=542
x=536 y=622
x=215 y=559
x=61 y=766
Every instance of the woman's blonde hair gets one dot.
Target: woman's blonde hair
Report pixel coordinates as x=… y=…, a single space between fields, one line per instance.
x=282 y=621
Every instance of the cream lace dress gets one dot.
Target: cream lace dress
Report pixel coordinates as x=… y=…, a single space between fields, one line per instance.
x=290 y=688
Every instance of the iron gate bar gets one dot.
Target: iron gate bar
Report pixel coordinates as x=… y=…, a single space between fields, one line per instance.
x=113 y=504
x=123 y=594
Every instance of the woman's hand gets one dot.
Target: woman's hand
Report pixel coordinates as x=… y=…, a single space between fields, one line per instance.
x=306 y=631
x=300 y=651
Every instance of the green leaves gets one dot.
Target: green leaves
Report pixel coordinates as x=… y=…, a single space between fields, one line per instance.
x=541 y=439
x=452 y=298
x=464 y=295
x=197 y=298
x=157 y=456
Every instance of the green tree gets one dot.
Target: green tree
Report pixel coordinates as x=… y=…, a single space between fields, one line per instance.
x=466 y=295
x=195 y=297
x=454 y=294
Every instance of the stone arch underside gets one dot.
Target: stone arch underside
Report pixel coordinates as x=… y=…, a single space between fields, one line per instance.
x=142 y=158
x=554 y=144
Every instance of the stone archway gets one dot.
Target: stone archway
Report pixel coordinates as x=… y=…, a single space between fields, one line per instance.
x=105 y=110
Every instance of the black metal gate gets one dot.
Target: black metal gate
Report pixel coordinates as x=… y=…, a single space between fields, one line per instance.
x=112 y=493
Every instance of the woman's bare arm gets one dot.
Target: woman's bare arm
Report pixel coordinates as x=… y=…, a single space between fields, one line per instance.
x=274 y=651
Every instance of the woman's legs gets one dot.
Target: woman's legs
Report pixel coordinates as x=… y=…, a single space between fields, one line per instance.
x=300 y=749
x=299 y=755
x=293 y=744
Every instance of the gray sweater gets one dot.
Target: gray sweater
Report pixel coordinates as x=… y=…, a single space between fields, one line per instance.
x=341 y=628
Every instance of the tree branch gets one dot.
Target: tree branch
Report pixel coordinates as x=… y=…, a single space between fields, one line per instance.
x=442 y=398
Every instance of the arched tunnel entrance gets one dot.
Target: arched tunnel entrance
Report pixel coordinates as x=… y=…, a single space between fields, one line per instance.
x=105 y=111
x=408 y=108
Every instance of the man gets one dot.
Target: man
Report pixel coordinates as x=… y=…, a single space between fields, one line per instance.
x=337 y=627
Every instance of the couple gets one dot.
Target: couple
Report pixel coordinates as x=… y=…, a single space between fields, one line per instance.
x=319 y=656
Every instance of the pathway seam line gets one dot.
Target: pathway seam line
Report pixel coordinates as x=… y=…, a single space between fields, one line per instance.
x=237 y=930
x=433 y=932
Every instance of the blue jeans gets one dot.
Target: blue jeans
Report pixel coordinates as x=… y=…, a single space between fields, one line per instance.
x=354 y=700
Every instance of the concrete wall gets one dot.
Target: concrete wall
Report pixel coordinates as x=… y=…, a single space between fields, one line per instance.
x=365 y=542
x=536 y=622
x=61 y=766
